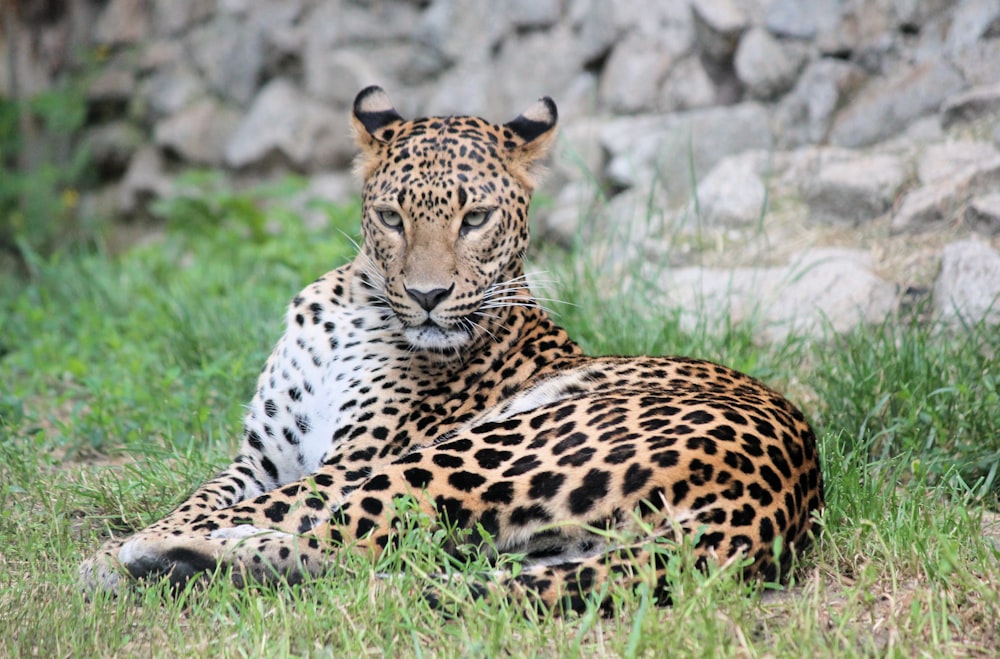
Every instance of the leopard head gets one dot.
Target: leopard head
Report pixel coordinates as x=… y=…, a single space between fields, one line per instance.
x=445 y=214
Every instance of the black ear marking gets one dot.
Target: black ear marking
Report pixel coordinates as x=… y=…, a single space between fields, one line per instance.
x=374 y=110
x=536 y=120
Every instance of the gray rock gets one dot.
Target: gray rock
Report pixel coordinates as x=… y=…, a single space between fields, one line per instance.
x=323 y=191
x=734 y=194
x=828 y=289
x=941 y=199
x=533 y=13
x=971 y=20
x=340 y=75
x=916 y=13
x=631 y=78
x=718 y=25
x=286 y=126
x=144 y=181
x=802 y=19
x=804 y=116
x=944 y=160
x=971 y=105
x=572 y=212
x=171 y=88
x=123 y=22
x=766 y=66
x=851 y=188
x=687 y=86
x=593 y=21
x=113 y=85
x=983 y=213
x=175 y=16
x=886 y=106
x=968 y=288
x=978 y=62
x=199 y=132
x=229 y=54
x=666 y=147
x=821 y=290
x=112 y=145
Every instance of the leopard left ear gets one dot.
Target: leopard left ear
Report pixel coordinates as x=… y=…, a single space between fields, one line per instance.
x=374 y=120
x=531 y=135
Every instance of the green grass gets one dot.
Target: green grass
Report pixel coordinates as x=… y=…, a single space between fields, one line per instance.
x=122 y=384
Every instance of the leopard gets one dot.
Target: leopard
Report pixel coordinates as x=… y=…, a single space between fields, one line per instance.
x=425 y=371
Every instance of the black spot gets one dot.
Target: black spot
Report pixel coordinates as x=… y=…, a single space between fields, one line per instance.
x=522 y=466
x=465 y=481
x=545 y=485
x=743 y=516
x=766 y=529
x=739 y=461
x=779 y=461
x=593 y=487
x=773 y=480
x=270 y=408
x=276 y=511
x=665 y=459
x=636 y=478
x=452 y=511
x=698 y=417
x=620 y=454
x=579 y=458
x=723 y=433
x=491 y=458
x=680 y=490
x=364 y=527
x=566 y=444
x=501 y=493
x=418 y=478
x=703 y=444
x=378 y=483
x=524 y=515
x=254 y=440
x=372 y=506
x=447 y=461
x=712 y=516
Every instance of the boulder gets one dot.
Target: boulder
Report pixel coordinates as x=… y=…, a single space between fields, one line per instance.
x=733 y=194
x=886 y=106
x=766 y=66
x=971 y=105
x=852 y=188
x=199 y=132
x=941 y=199
x=968 y=289
x=983 y=213
x=718 y=25
x=285 y=125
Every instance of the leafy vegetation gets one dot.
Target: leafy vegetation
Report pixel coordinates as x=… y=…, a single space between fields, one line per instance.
x=122 y=383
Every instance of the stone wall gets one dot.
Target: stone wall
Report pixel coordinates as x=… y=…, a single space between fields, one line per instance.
x=841 y=153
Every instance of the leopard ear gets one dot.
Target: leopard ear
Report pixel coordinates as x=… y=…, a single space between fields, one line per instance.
x=531 y=135
x=374 y=120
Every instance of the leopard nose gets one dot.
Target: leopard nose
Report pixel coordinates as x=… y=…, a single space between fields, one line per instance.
x=430 y=299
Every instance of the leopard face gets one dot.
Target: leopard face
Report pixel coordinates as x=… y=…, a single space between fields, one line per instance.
x=445 y=214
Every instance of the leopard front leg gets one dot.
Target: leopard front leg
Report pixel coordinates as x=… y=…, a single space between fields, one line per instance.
x=252 y=554
x=102 y=572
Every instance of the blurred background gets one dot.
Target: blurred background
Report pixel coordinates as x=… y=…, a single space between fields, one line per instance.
x=841 y=152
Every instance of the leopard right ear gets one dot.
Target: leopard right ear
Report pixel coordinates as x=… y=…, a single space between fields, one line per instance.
x=374 y=120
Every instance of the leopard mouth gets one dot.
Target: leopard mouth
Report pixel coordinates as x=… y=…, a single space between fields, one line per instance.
x=433 y=337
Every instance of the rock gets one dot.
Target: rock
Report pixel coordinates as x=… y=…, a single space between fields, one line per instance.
x=687 y=86
x=175 y=16
x=801 y=19
x=733 y=194
x=767 y=67
x=968 y=288
x=571 y=213
x=666 y=147
x=111 y=89
x=593 y=22
x=339 y=76
x=828 y=288
x=821 y=290
x=229 y=54
x=111 y=147
x=914 y=14
x=632 y=75
x=944 y=160
x=718 y=25
x=323 y=191
x=286 y=125
x=941 y=199
x=983 y=213
x=533 y=14
x=851 y=188
x=971 y=20
x=886 y=106
x=199 y=132
x=122 y=23
x=144 y=182
x=805 y=115
x=171 y=88
x=971 y=105
x=978 y=62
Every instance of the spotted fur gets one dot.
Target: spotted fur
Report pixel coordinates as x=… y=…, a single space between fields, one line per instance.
x=426 y=369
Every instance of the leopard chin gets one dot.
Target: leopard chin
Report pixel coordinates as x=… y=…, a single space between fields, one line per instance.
x=432 y=337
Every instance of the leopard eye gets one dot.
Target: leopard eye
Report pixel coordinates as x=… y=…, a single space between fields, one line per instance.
x=390 y=218
x=476 y=218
